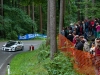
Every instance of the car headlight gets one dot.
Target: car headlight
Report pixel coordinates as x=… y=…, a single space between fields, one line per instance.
x=3 y=46
x=12 y=48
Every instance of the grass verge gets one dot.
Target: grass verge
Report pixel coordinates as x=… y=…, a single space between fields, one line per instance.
x=38 y=62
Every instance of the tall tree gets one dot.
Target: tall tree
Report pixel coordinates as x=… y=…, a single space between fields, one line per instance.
x=33 y=18
x=61 y=18
x=28 y=10
x=2 y=33
x=40 y=8
x=48 y=23
x=53 y=41
x=33 y=11
x=86 y=11
x=93 y=3
x=78 y=12
x=1 y=7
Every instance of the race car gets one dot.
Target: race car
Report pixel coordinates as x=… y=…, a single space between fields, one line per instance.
x=12 y=45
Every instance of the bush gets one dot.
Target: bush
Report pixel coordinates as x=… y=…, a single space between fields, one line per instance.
x=12 y=35
x=38 y=62
x=61 y=65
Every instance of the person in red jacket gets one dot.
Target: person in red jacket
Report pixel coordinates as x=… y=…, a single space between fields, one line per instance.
x=92 y=23
x=97 y=56
x=98 y=30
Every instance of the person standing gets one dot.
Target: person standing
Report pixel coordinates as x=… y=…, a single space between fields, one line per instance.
x=79 y=45
x=63 y=32
x=92 y=23
x=85 y=43
x=97 y=56
x=70 y=36
x=66 y=32
x=86 y=29
x=98 y=29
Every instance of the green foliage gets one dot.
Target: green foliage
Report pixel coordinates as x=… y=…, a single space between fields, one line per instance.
x=27 y=64
x=12 y=35
x=93 y=9
x=17 y=22
x=38 y=62
x=61 y=65
x=44 y=52
x=70 y=13
x=28 y=2
x=24 y=2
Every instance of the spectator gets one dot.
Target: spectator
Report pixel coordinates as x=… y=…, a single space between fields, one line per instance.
x=92 y=23
x=98 y=30
x=92 y=46
x=70 y=36
x=86 y=29
x=63 y=32
x=66 y=32
x=75 y=37
x=92 y=49
x=97 y=55
x=79 y=45
x=85 y=43
x=92 y=41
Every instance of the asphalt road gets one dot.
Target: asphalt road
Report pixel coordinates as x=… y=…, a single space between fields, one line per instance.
x=5 y=57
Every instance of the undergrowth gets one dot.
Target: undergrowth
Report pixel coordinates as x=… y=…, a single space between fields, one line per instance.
x=38 y=62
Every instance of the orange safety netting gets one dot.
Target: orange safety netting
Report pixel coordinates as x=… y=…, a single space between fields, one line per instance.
x=82 y=60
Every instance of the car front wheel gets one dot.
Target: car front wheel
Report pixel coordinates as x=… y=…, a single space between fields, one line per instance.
x=22 y=48
x=16 y=49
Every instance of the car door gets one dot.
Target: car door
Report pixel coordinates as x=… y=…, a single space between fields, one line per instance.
x=19 y=45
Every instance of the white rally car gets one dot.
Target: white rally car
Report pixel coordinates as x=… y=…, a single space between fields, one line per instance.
x=13 y=46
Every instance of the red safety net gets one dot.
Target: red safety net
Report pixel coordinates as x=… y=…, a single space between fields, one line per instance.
x=83 y=62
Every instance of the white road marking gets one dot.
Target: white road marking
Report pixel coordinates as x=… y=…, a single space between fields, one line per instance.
x=5 y=60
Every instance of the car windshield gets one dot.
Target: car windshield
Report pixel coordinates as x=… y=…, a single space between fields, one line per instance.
x=10 y=43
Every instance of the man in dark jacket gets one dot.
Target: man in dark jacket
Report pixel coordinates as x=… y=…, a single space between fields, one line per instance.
x=70 y=36
x=79 y=44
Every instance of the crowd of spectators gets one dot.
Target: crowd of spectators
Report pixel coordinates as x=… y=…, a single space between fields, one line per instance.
x=79 y=34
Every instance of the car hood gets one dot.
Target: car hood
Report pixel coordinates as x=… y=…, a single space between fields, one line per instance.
x=8 y=45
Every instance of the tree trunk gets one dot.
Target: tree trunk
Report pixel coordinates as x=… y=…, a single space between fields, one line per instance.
x=33 y=17
x=53 y=41
x=2 y=33
x=25 y=9
x=48 y=24
x=40 y=18
x=1 y=8
x=78 y=13
x=29 y=10
x=93 y=2
x=86 y=11
x=61 y=18
x=33 y=11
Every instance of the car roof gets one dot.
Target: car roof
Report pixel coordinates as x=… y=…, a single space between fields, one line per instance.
x=14 y=41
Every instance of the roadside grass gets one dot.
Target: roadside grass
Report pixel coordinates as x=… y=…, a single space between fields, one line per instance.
x=39 y=38
x=38 y=62
x=36 y=38
x=3 y=40
x=26 y=64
